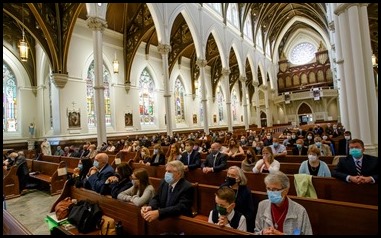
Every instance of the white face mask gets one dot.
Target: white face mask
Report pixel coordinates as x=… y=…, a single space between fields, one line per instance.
x=312 y=158
x=325 y=137
x=347 y=137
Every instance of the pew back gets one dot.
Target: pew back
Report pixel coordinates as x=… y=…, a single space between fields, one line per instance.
x=126 y=212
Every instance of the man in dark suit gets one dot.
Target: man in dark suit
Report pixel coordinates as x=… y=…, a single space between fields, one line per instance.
x=99 y=173
x=190 y=158
x=299 y=148
x=174 y=196
x=215 y=161
x=357 y=167
x=344 y=143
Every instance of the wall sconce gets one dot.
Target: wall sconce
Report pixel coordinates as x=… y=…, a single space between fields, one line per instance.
x=115 y=65
x=374 y=60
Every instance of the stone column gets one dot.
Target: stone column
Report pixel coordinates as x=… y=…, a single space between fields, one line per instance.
x=202 y=63
x=98 y=25
x=244 y=103
x=267 y=108
x=225 y=73
x=257 y=107
x=59 y=81
x=360 y=89
x=164 y=49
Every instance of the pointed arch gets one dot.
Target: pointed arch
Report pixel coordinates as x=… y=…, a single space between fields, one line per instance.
x=146 y=86
x=178 y=95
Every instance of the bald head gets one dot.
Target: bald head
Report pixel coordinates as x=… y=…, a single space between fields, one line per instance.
x=102 y=158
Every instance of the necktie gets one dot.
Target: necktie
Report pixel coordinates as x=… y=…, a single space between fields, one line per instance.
x=346 y=147
x=358 y=167
x=214 y=160
x=188 y=158
x=169 y=197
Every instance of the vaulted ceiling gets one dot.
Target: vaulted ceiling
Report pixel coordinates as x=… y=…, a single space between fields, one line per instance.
x=51 y=25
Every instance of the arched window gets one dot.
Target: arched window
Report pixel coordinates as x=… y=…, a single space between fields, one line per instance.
x=248 y=27
x=232 y=16
x=91 y=118
x=258 y=40
x=9 y=99
x=146 y=99
x=302 y=53
x=220 y=100
x=179 y=101
x=234 y=105
x=216 y=7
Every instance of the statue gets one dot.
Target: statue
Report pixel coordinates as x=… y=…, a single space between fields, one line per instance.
x=31 y=129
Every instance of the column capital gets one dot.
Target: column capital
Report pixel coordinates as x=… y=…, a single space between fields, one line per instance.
x=255 y=83
x=264 y=87
x=59 y=80
x=345 y=6
x=96 y=23
x=201 y=63
x=164 y=48
x=225 y=71
x=331 y=26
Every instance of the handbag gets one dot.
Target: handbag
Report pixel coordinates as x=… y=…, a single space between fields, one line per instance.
x=63 y=208
x=85 y=215
x=108 y=226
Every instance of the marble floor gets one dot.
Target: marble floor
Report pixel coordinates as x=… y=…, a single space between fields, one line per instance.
x=31 y=209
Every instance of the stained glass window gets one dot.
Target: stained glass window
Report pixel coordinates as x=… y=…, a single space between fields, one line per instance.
x=248 y=27
x=220 y=100
x=9 y=99
x=234 y=106
x=179 y=101
x=232 y=16
x=91 y=121
x=146 y=99
x=302 y=53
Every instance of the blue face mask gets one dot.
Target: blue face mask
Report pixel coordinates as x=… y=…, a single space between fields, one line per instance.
x=318 y=144
x=275 y=144
x=356 y=153
x=275 y=196
x=80 y=166
x=168 y=177
x=96 y=164
x=299 y=146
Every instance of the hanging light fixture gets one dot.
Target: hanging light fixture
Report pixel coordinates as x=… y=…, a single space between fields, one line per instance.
x=115 y=65
x=23 y=45
x=374 y=60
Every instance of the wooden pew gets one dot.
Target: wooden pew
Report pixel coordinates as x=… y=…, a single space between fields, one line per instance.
x=11 y=185
x=11 y=226
x=326 y=188
x=50 y=158
x=48 y=172
x=188 y=226
x=71 y=163
x=326 y=216
x=150 y=169
x=126 y=212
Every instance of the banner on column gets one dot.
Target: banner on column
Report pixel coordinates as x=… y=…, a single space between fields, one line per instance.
x=316 y=93
x=287 y=98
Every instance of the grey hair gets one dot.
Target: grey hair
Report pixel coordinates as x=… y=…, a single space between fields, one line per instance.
x=178 y=165
x=278 y=177
x=241 y=174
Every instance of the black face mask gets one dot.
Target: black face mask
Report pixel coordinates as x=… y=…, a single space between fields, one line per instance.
x=230 y=181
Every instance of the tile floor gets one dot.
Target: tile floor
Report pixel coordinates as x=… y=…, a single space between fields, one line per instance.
x=31 y=209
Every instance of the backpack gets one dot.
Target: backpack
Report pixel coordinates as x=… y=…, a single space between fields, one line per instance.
x=86 y=216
